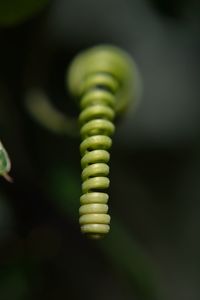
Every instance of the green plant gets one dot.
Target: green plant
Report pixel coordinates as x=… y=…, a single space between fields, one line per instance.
x=102 y=79
x=5 y=164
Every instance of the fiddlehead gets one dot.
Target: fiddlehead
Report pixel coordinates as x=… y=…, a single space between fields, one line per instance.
x=102 y=80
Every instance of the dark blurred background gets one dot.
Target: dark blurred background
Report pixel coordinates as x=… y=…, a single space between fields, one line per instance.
x=153 y=249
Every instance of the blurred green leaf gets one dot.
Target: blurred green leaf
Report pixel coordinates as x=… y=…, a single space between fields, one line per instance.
x=15 y=11
x=65 y=187
x=41 y=110
x=5 y=164
x=13 y=284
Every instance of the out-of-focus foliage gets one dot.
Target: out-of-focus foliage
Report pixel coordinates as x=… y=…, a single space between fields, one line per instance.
x=5 y=164
x=13 y=283
x=41 y=109
x=63 y=183
x=13 y=12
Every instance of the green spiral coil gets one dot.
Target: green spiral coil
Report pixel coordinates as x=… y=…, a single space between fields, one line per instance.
x=102 y=80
